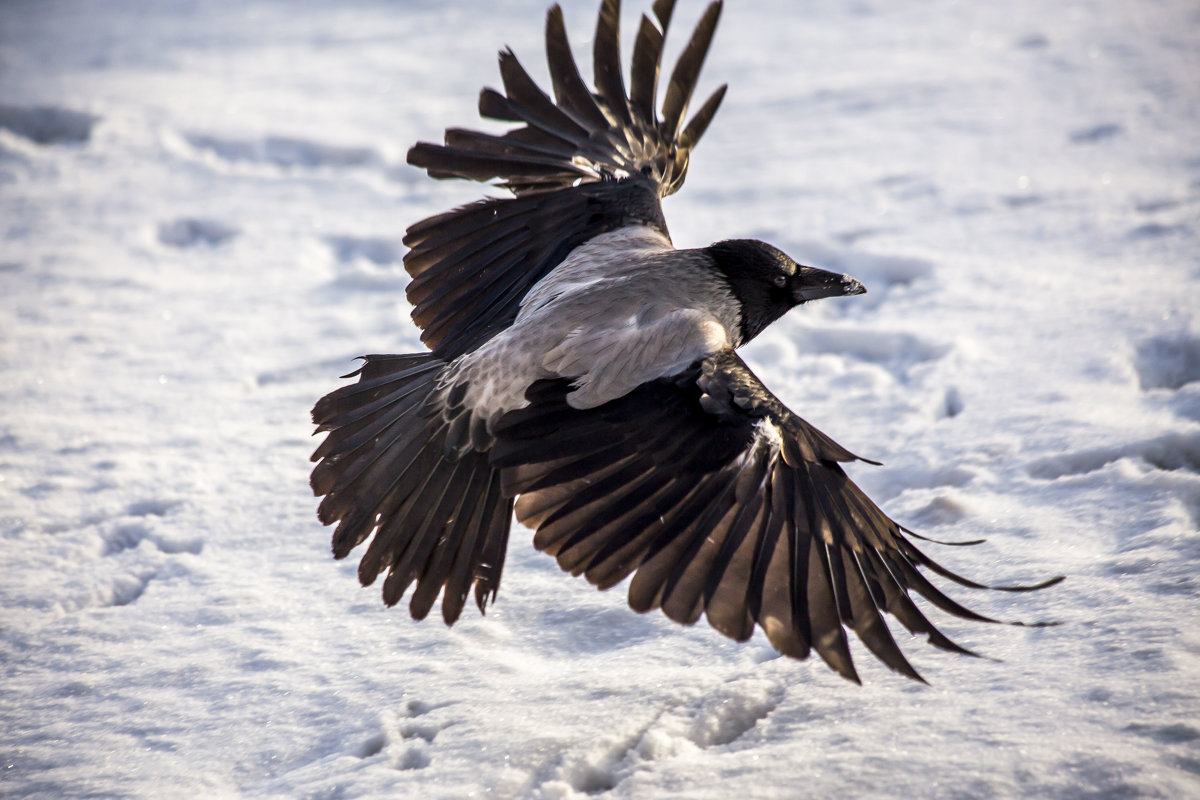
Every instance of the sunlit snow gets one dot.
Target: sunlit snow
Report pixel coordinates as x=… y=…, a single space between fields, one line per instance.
x=201 y=207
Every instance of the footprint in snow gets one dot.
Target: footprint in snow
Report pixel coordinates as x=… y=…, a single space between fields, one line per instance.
x=1169 y=364
x=139 y=524
x=1172 y=733
x=896 y=351
x=952 y=404
x=48 y=125
x=127 y=536
x=1157 y=205
x=907 y=187
x=1033 y=41
x=716 y=719
x=406 y=735
x=285 y=152
x=1096 y=133
x=1169 y=452
x=1169 y=361
x=1156 y=230
x=188 y=232
x=367 y=262
x=380 y=251
x=1022 y=200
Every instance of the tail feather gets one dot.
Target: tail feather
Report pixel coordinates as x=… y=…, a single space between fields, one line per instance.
x=439 y=518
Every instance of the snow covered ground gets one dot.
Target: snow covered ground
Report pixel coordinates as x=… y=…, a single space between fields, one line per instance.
x=201 y=206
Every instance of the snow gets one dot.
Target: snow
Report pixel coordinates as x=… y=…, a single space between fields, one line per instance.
x=201 y=207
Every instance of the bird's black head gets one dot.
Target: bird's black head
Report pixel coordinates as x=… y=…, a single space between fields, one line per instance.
x=768 y=284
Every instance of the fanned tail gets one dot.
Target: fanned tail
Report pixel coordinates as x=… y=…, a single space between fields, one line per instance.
x=581 y=135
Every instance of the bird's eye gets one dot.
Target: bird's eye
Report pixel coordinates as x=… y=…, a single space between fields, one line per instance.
x=781 y=281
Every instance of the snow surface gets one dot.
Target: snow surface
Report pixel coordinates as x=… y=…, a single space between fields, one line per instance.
x=201 y=207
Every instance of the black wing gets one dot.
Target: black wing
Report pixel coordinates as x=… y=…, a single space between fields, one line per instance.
x=583 y=163
x=585 y=135
x=720 y=501
x=437 y=521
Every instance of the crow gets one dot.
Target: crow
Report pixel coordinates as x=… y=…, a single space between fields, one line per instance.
x=583 y=373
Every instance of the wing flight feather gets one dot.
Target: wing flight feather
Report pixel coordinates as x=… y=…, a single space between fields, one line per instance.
x=720 y=502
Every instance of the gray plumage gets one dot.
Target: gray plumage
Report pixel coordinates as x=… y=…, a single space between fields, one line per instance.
x=621 y=310
x=582 y=372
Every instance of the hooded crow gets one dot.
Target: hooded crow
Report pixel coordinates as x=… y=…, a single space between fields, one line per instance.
x=583 y=372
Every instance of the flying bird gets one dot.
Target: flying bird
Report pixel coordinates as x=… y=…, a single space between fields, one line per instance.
x=583 y=372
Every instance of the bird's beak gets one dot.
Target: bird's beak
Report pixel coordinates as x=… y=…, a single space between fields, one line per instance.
x=813 y=284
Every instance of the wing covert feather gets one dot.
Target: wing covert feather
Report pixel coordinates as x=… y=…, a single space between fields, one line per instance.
x=582 y=163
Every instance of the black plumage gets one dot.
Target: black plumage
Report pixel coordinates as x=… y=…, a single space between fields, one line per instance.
x=583 y=374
